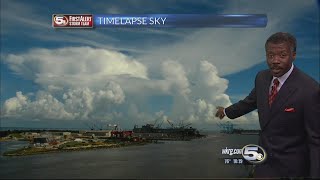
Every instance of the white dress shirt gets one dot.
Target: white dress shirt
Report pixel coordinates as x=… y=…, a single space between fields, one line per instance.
x=281 y=79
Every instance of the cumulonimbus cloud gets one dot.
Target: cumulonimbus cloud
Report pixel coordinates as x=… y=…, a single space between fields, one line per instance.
x=74 y=88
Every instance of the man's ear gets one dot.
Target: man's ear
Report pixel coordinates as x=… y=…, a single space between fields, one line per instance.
x=294 y=54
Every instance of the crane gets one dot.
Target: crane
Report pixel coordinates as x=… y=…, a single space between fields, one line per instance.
x=155 y=122
x=170 y=123
x=182 y=125
x=227 y=127
x=186 y=125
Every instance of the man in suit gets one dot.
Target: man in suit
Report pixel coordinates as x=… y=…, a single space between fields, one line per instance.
x=288 y=103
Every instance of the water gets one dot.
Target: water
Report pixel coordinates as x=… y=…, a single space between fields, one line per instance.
x=174 y=159
x=12 y=145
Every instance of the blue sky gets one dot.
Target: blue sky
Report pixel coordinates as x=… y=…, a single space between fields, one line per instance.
x=66 y=77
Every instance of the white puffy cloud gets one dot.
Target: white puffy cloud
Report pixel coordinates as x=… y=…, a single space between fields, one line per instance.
x=78 y=82
x=81 y=103
x=207 y=93
x=175 y=76
x=12 y=105
x=209 y=85
x=73 y=66
x=75 y=89
x=44 y=106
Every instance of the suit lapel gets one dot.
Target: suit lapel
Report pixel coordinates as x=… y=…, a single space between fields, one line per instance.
x=266 y=85
x=265 y=100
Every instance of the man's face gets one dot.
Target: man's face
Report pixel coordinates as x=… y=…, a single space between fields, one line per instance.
x=279 y=58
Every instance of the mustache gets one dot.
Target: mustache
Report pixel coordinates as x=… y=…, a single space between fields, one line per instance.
x=275 y=67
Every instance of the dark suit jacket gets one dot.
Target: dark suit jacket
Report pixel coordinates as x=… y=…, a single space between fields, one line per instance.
x=291 y=139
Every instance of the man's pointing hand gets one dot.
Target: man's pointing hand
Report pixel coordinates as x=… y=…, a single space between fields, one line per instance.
x=220 y=112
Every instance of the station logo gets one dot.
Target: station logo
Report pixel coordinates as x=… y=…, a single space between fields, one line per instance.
x=59 y=20
x=72 y=20
x=254 y=154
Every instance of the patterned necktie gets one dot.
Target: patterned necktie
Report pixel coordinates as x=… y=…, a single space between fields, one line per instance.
x=274 y=91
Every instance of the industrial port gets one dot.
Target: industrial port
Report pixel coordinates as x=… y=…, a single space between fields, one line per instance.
x=44 y=141
x=229 y=128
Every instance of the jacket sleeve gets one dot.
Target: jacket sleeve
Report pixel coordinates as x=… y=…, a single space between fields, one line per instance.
x=243 y=106
x=312 y=125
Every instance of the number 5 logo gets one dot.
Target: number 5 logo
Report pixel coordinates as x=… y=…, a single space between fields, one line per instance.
x=60 y=20
x=254 y=154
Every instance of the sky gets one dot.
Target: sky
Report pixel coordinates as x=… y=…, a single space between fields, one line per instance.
x=77 y=78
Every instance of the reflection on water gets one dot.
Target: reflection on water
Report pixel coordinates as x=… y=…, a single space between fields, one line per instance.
x=174 y=159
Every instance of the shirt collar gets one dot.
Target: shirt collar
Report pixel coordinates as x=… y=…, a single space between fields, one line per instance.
x=284 y=77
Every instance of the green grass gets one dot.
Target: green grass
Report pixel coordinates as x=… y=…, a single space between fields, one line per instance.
x=16 y=135
x=73 y=144
x=26 y=151
x=64 y=147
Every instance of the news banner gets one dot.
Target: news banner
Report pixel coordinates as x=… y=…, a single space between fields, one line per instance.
x=159 y=20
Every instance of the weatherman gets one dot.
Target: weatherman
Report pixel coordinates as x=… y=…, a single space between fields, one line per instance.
x=288 y=103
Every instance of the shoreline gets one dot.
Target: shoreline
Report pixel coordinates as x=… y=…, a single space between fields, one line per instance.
x=42 y=150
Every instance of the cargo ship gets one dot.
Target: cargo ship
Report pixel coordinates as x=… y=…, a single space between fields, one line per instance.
x=149 y=131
